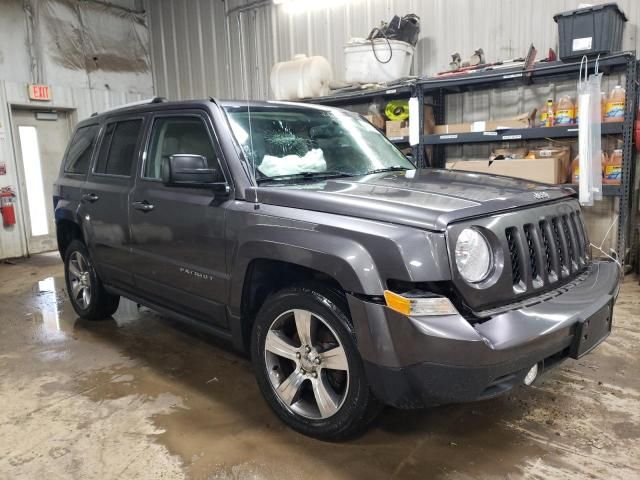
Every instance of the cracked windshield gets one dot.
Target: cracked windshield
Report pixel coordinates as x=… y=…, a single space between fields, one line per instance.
x=291 y=145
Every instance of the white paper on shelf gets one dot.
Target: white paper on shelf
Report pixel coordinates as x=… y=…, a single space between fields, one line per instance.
x=479 y=126
x=414 y=125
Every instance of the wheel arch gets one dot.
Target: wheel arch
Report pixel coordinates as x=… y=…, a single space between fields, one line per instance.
x=263 y=267
x=66 y=232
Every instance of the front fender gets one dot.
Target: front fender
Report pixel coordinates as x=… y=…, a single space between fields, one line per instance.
x=344 y=260
x=359 y=254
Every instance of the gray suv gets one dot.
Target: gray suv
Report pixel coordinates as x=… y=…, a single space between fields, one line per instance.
x=305 y=238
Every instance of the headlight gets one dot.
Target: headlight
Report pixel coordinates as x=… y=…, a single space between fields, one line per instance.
x=473 y=256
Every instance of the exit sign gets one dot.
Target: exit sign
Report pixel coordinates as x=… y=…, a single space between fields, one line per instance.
x=39 y=92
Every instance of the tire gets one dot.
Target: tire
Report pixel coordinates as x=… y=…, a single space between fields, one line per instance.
x=79 y=274
x=292 y=382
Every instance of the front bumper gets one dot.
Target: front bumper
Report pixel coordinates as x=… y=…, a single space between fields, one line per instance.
x=413 y=362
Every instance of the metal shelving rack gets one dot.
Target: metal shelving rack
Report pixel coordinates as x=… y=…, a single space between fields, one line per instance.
x=436 y=89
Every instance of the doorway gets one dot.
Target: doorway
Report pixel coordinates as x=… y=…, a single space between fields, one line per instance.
x=40 y=138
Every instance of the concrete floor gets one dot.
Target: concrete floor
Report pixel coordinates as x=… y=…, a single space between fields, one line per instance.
x=142 y=396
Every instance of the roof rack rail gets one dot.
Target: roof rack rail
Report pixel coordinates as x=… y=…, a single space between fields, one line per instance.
x=133 y=104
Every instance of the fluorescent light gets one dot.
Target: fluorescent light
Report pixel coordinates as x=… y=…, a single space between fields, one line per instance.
x=298 y=6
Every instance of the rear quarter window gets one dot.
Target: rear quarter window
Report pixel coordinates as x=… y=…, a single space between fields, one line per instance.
x=80 y=150
x=118 y=148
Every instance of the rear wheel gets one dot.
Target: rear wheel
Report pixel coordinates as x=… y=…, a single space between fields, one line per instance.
x=88 y=296
x=307 y=364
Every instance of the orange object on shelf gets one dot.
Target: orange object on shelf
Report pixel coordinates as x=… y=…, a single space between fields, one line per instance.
x=612 y=168
x=550 y=114
x=614 y=111
x=565 y=112
x=575 y=168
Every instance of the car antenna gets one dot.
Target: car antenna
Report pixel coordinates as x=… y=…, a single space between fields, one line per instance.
x=245 y=89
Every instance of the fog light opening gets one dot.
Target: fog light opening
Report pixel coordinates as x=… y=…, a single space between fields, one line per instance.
x=531 y=376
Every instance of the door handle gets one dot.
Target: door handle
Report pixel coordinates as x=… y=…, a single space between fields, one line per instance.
x=143 y=206
x=90 y=197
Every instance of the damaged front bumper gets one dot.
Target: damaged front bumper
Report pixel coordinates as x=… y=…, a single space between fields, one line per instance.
x=422 y=361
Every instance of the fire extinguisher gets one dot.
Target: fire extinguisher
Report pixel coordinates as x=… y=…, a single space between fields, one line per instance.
x=6 y=206
x=637 y=129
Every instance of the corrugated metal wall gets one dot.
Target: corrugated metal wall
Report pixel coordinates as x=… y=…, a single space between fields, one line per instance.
x=198 y=50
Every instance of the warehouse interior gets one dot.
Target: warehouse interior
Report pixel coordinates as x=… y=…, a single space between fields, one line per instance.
x=546 y=92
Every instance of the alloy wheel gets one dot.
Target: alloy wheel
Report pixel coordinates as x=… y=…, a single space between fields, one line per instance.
x=79 y=279
x=306 y=364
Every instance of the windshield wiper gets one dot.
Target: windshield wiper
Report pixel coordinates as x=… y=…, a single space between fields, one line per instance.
x=395 y=168
x=305 y=176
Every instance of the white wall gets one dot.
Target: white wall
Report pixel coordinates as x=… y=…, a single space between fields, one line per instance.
x=94 y=56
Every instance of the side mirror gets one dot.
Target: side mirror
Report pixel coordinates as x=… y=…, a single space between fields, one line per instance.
x=187 y=170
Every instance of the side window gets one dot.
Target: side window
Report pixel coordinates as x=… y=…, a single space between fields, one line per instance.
x=118 y=148
x=80 y=150
x=172 y=135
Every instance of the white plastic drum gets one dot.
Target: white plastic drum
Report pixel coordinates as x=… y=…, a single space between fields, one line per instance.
x=302 y=77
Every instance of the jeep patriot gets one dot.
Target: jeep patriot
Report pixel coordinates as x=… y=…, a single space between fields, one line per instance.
x=306 y=239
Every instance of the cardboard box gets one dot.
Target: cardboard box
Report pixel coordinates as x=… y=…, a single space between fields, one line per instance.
x=508 y=153
x=526 y=120
x=563 y=153
x=429 y=120
x=452 y=128
x=376 y=120
x=494 y=125
x=397 y=129
x=545 y=170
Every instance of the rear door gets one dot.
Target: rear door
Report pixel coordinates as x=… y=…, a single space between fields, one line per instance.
x=178 y=232
x=106 y=197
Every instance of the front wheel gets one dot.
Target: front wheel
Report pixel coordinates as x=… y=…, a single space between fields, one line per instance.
x=88 y=297
x=307 y=364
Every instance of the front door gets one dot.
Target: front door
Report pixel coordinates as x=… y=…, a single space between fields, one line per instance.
x=40 y=138
x=178 y=239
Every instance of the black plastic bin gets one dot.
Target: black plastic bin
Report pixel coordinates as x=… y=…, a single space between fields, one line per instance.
x=590 y=31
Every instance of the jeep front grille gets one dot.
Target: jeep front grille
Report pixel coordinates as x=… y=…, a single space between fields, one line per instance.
x=542 y=253
x=537 y=250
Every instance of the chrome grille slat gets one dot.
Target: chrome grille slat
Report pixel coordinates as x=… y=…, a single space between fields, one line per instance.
x=533 y=258
x=548 y=258
x=576 y=217
x=553 y=250
x=514 y=255
x=561 y=247
x=536 y=254
x=572 y=242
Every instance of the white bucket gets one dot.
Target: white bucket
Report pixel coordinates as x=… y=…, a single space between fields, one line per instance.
x=362 y=66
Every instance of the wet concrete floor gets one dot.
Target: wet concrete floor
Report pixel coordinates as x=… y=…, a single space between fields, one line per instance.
x=142 y=396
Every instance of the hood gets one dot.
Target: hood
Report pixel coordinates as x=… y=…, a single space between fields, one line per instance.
x=429 y=199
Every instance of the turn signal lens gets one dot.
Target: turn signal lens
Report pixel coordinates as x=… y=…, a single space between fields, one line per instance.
x=419 y=306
